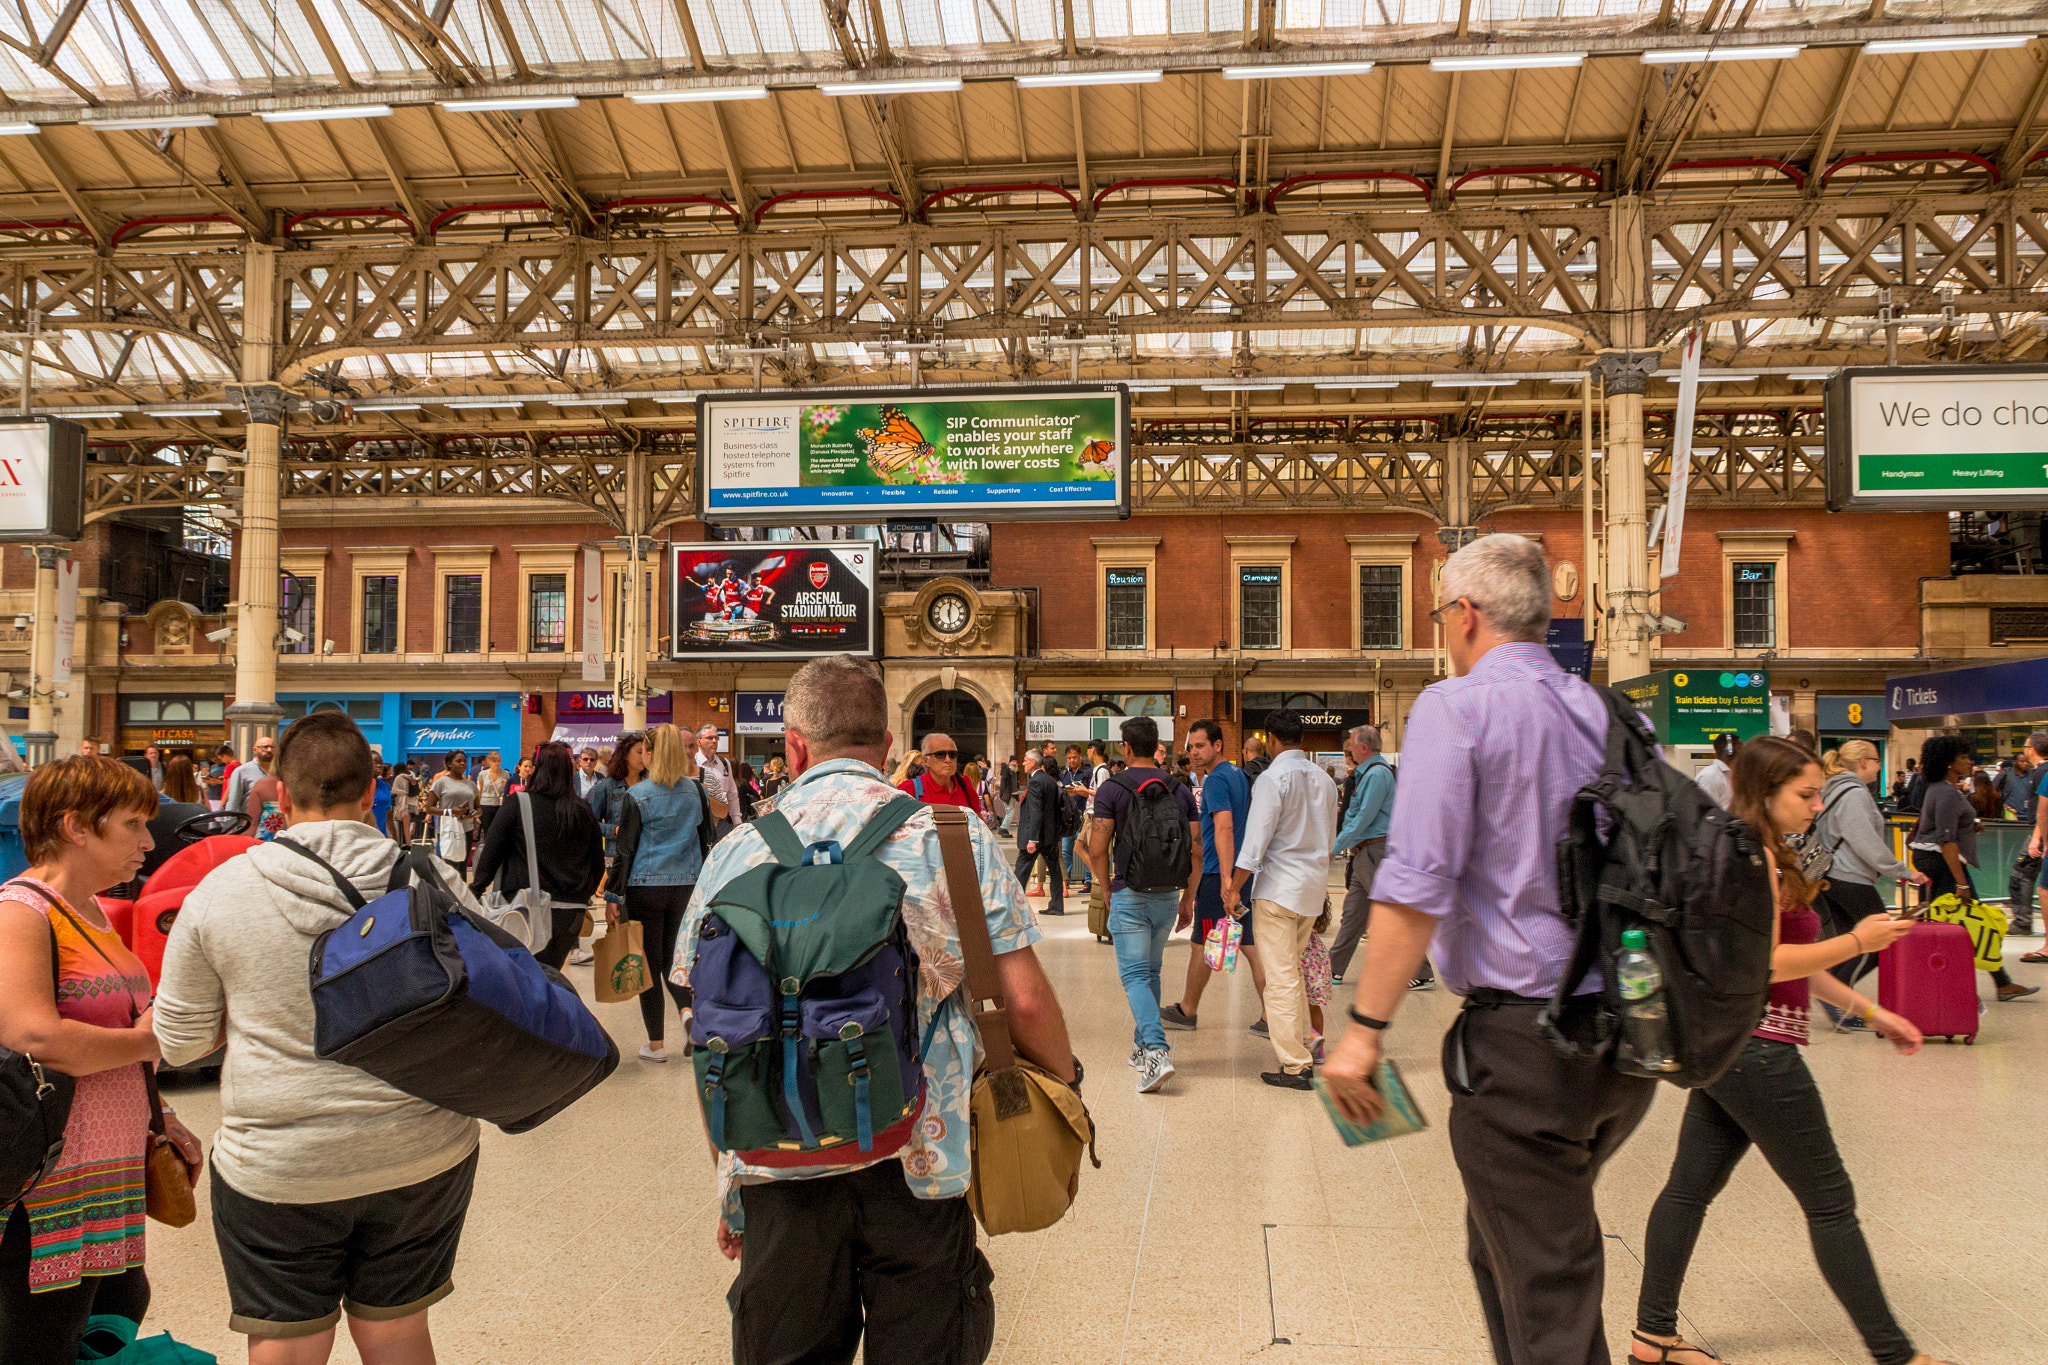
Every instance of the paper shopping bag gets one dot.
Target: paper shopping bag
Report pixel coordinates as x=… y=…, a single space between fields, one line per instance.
x=621 y=970
x=1219 y=949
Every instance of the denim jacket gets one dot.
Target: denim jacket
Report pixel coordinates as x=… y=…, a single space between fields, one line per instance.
x=608 y=802
x=661 y=837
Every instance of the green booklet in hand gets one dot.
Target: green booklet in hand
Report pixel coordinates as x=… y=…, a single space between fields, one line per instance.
x=1399 y=1117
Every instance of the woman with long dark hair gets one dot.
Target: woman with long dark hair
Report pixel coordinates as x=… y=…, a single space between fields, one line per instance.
x=664 y=832
x=1944 y=842
x=567 y=848
x=1768 y=1099
x=608 y=798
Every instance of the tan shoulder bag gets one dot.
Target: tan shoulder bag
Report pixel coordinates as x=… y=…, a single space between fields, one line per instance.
x=1029 y=1127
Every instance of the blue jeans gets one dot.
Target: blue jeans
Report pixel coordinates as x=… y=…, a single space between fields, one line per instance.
x=1140 y=923
x=1067 y=861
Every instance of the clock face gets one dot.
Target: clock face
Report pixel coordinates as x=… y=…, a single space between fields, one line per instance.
x=948 y=613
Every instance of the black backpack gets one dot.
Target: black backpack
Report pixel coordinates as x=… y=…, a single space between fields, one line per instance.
x=1647 y=849
x=1153 y=835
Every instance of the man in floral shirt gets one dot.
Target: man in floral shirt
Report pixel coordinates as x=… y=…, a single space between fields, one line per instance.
x=884 y=1246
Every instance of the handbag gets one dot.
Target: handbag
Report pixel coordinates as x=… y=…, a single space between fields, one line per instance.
x=112 y=1340
x=1219 y=947
x=527 y=915
x=451 y=841
x=35 y=1106
x=1027 y=1127
x=620 y=971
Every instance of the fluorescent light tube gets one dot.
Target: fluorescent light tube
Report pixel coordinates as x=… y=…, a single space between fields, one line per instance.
x=182 y=412
x=1811 y=374
x=386 y=407
x=1671 y=55
x=1358 y=383
x=582 y=402
x=1506 y=61
x=938 y=85
x=510 y=104
x=21 y=129
x=1244 y=386
x=701 y=94
x=1148 y=388
x=1892 y=47
x=139 y=125
x=315 y=115
x=1472 y=383
x=1058 y=78
x=481 y=402
x=1305 y=70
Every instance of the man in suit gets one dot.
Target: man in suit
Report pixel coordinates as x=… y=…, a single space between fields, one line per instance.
x=1038 y=830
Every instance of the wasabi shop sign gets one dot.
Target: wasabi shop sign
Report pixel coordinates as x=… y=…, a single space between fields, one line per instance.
x=1938 y=436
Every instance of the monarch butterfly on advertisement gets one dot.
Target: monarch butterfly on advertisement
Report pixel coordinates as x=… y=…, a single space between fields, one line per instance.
x=896 y=444
x=1097 y=452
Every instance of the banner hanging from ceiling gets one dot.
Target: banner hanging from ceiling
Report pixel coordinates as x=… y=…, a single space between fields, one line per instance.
x=855 y=457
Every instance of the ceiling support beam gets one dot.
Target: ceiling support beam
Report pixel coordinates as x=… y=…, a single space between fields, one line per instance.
x=67 y=185
x=2020 y=147
x=46 y=52
x=1832 y=124
x=342 y=75
x=1450 y=137
x=728 y=151
x=394 y=169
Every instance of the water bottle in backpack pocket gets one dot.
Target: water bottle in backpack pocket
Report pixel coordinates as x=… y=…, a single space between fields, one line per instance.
x=804 y=1036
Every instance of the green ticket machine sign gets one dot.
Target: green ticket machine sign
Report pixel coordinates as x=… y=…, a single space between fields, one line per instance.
x=1692 y=705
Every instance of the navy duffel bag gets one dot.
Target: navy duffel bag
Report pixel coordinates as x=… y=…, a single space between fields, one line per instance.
x=440 y=1003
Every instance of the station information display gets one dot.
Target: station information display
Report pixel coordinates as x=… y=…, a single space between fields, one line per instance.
x=1938 y=436
x=867 y=456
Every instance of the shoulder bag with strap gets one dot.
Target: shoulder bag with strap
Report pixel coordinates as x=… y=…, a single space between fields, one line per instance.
x=167 y=1180
x=1816 y=849
x=35 y=1107
x=539 y=905
x=1028 y=1127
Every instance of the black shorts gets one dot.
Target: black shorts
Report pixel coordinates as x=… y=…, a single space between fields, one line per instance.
x=293 y=1268
x=1209 y=907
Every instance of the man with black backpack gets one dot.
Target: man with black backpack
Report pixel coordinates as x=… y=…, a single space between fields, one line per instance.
x=848 y=1210
x=1044 y=819
x=1154 y=827
x=1492 y=763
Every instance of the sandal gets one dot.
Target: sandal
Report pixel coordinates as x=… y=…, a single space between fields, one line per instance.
x=1665 y=1350
x=2038 y=955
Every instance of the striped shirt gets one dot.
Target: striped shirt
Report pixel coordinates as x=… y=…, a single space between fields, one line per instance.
x=1489 y=764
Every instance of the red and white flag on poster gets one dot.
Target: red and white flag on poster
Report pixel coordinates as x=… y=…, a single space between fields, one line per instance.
x=1681 y=450
x=593 y=614
x=67 y=620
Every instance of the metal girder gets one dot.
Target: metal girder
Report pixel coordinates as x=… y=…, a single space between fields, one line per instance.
x=197 y=297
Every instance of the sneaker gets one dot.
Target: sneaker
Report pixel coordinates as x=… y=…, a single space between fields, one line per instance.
x=1158 y=1066
x=1173 y=1016
x=1261 y=1028
x=650 y=1053
x=1337 y=980
x=1315 y=1047
x=582 y=957
x=1422 y=983
x=1289 y=1080
x=2017 y=991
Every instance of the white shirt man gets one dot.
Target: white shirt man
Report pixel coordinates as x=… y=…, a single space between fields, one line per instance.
x=717 y=774
x=588 y=774
x=1287 y=841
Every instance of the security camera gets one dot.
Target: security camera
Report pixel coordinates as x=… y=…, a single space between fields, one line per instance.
x=1666 y=625
x=60 y=692
x=297 y=637
x=327 y=646
x=21 y=622
x=17 y=692
x=221 y=636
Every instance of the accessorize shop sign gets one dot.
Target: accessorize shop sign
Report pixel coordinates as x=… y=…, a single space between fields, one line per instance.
x=789 y=598
x=862 y=455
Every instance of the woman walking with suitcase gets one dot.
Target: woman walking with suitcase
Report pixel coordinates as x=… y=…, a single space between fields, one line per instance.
x=1944 y=843
x=1768 y=1098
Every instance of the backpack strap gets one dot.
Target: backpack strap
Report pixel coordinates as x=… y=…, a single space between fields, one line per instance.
x=883 y=823
x=977 y=952
x=353 y=896
x=781 y=836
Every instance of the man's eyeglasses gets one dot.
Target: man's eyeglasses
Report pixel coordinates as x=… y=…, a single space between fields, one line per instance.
x=934 y=755
x=1436 y=614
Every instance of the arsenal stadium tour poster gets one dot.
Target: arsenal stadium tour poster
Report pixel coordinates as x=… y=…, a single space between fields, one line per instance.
x=788 y=598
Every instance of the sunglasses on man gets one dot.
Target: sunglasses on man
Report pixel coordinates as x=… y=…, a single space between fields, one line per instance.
x=934 y=755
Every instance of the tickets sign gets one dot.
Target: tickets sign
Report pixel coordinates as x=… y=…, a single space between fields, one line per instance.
x=862 y=456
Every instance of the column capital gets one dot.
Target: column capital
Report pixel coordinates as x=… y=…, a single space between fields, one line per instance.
x=46 y=556
x=1627 y=371
x=265 y=403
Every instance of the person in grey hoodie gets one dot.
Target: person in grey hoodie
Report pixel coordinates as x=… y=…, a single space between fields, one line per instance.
x=1852 y=829
x=332 y=1191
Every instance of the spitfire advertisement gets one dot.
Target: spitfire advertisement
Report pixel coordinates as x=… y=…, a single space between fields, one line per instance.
x=787 y=598
x=917 y=452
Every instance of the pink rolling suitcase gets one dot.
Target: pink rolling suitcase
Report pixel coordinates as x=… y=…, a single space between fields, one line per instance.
x=1930 y=977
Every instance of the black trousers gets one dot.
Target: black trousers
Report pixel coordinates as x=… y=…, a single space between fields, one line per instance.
x=1530 y=1132
x=1842 y=907
x=43 y=1329
x=866 y=1256
x=1055 y=895
x=1940 y=881
x=659 y=910
x=568 y=921
x=1767 y=1099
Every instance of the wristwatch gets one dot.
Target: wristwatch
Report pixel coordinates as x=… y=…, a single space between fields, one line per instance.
x=1078 y=1071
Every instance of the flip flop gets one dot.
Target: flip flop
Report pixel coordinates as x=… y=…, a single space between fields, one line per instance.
x=2036 y=956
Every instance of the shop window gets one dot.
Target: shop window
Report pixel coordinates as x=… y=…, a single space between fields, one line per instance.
x=1124 y=607
x=463 y=613
x=293 y=710
x=366 y=710
x=298 y=597
x=208 y=710
x=380 y=614
x=144 y=710
x=1756 y=604
x=479 y=708
x=1380 y=604
x=317 y=707
x=547 y=612
x=1258 y=606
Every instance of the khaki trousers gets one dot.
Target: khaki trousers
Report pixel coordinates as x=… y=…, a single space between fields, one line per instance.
x=1282 y=937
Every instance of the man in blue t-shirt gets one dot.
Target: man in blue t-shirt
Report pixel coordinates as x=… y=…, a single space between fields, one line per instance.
x=1226 y=800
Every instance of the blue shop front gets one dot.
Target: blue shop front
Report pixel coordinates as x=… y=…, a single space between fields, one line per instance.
x=402 y=725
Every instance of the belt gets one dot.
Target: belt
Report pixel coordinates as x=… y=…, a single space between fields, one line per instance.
x=1487 y=998
x=1456 y=1065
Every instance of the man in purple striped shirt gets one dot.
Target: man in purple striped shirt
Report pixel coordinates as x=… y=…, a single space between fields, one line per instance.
x=1489 y=763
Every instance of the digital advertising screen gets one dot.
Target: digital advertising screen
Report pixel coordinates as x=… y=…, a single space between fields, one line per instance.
x=786 y=598
x=1011 y=454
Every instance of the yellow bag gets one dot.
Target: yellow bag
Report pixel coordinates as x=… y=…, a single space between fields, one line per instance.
x=620 y=972
x=1028 y=1127
x=1986 y=922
